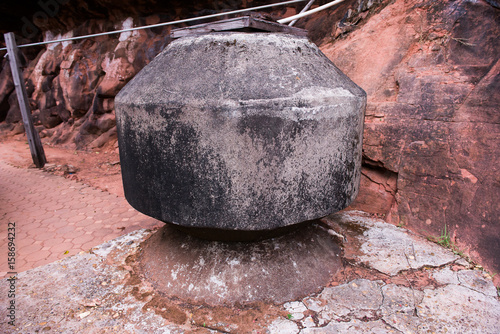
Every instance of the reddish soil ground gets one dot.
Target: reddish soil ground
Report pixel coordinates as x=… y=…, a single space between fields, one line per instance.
x=99 y=168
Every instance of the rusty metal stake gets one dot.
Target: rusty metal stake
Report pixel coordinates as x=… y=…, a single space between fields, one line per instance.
x=36 y=148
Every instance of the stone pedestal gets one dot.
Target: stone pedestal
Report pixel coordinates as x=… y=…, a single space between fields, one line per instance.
x=240 y=132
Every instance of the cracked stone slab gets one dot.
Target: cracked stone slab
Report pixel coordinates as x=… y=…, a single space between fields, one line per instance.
x=475 y=280
x=282 y=326
x=400 y=299
x=451 y=309
x=81 y=294
x=445 y=276
x=359 y=298
x=308 y=322
x=390 y=249
x=90 y=292
x=295 y=309
x=353 y=326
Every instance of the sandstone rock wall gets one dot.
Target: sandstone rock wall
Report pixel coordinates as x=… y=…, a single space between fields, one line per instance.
x=72 y=85
x=431 y=70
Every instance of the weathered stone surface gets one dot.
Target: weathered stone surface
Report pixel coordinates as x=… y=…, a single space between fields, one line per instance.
x=354 y=326
x=86 y=286
x=461 y=311
x=308 y=322
x=14 y=113
x=70 y=83
x=379 y=190
x=118 y=72
x=79 y=80
x=281 y=326
x=474 y=280
x=428 y=67
x=360 y=298
x=400 y=299
x=102 y=291
x=275 y=270
x=240 y=132
x=390 y=249
x=445 y=276
x=296 y=310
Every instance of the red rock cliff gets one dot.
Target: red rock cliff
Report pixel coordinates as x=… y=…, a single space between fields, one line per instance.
x=431 y=70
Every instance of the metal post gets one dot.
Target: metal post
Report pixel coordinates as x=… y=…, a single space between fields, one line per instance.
x=34 y=141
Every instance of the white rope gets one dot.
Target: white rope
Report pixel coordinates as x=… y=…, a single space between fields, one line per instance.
x=309 y=12
x=309 y=4
x=160 y=24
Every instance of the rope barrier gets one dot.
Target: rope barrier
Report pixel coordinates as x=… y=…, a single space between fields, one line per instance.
x=309 y=4
x=159 y=24
x=309 y=12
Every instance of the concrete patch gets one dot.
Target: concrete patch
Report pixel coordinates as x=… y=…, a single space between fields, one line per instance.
x=281 y=326
x=360 y=298
x=354 y=326
x=452 y=309
x=390 y=249
x=475 y=280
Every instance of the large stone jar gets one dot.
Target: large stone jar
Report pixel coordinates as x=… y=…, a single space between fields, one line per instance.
x=241 y=132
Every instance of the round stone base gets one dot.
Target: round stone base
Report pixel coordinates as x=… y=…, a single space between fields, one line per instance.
x=277 y=270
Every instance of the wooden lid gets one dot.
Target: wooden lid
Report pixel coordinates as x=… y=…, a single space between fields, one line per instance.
x=249 y=23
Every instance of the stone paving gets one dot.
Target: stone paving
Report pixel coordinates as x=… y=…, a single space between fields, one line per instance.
x=100 y=291
x=56 y=217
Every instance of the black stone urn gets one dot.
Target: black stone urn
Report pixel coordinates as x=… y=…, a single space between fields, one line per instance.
x=240 y=132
